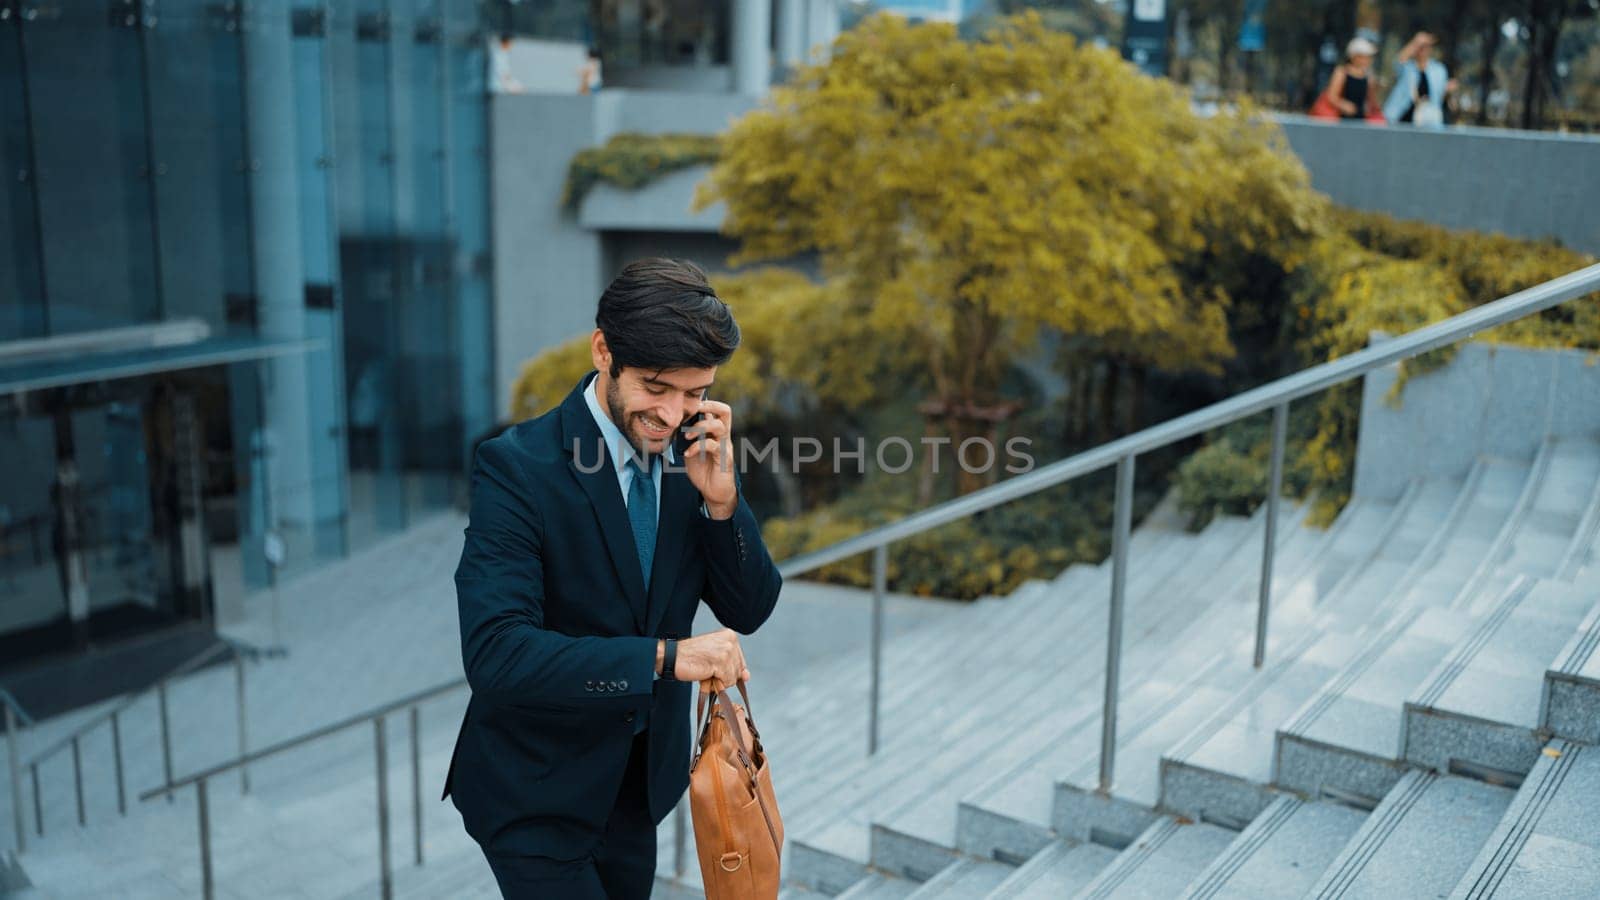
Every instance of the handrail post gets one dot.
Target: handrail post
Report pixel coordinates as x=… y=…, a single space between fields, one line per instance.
x=166 y=737
x=381 y=746
x=680 y=840
x=14 y=769
x=416 y=781
x=204 y=805
x=1121 y=525
x=38 y=804
x=880 y=580
x=116 y=755
x=77 y=779
x=1280 y=436
x=244 y=739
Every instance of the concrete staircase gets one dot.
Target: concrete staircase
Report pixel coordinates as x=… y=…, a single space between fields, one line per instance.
x=1424 y=723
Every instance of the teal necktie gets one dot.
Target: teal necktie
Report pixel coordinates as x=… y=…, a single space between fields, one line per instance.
x=642 y=516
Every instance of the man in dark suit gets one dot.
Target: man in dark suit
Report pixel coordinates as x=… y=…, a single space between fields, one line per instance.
x=594 y=533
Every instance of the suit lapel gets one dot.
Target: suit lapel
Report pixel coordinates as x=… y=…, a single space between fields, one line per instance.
x=678 y=497
x=583 y=442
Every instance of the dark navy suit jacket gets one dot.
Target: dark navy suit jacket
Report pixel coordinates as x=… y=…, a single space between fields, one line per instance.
x=558 y=633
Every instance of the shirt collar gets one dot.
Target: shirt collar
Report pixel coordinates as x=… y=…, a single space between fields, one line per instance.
x=621 y=450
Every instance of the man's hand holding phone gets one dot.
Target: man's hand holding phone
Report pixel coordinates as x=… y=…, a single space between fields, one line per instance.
x=709 y=460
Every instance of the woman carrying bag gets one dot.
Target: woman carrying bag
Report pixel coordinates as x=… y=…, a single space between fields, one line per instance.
x=1350 y=92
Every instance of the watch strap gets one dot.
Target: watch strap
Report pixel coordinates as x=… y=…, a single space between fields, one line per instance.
x=669 y=659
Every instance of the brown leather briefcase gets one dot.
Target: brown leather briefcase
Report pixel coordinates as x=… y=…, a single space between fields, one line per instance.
x=737 y=831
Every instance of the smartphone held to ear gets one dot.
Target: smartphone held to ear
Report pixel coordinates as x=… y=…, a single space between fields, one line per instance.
x=686 y=435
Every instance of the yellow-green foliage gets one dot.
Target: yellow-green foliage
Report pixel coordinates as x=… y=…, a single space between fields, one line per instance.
x=1034 y=537
x=1395 y=276
x=546 y=379
x=634 y=160
x=1488 y=267
x=964 y=194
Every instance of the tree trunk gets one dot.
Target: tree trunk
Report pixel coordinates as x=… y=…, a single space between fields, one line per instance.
x=788 y=483
x=925 y=478
x=1136 y=399
x=1108 y=402
x=1535 y=64
x=1490 y=49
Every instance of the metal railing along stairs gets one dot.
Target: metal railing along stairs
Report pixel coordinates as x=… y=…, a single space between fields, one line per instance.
x=16 y=717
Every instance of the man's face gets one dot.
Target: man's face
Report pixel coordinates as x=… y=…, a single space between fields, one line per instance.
x=648 y=405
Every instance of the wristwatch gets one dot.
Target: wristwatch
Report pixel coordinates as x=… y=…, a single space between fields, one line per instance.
x=669 y=659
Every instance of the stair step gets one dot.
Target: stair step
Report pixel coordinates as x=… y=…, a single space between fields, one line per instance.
x=1480 y=706
x=1061 y=869
x=1011 y=813
x=1221 y=771
x=1082 y=809
x=877 y=886
x=1419 y=840
x=1165 y=858
x=940 y=748
x=1281 y=854
x=1570 y=705
x=1344 y=741
x=922 y=830
x=1546 y=844
x=1557 y=508
x=964 y=879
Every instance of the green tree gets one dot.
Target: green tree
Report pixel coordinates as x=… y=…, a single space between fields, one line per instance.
x=964 y=196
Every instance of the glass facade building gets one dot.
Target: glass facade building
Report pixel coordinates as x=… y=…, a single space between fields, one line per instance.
x=245 y=300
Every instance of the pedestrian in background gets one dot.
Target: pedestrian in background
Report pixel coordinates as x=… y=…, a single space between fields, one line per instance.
x=1420 y=85
x=1350 y=92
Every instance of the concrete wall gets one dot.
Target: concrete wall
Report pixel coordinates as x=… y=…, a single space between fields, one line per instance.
x=1524 y=184
x=1489 y=401
x=547 y=268
x=551 y=265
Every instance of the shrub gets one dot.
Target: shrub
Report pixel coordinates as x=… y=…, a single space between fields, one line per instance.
x=632 y=161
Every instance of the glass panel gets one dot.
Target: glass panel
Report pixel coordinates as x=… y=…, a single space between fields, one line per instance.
x=359 y=38
x=197 y=135
x=325 y=400
x=428 y=351
x=114 y=495
x=85 y=91
x=469 y=213
x=22 y=309
x=30 y=576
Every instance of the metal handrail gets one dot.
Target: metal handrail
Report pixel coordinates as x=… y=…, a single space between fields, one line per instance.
x=188 y=666
x=1224 y=412
x=317 y=734
x=13 y=713
x=375 y=716
x=74 y=739
x=10 y=700
x=1275 y=395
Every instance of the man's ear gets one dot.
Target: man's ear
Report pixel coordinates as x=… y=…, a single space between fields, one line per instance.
x=599 y=353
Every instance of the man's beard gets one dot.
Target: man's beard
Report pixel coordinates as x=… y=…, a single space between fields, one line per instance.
x=626 y=423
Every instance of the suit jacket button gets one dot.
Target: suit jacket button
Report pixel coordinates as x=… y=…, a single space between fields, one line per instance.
x=623 y=685
x=588 y=686
x=627 y=716
x=611 y=685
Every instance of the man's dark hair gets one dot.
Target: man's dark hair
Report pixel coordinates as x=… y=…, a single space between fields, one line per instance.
x=663 y=314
